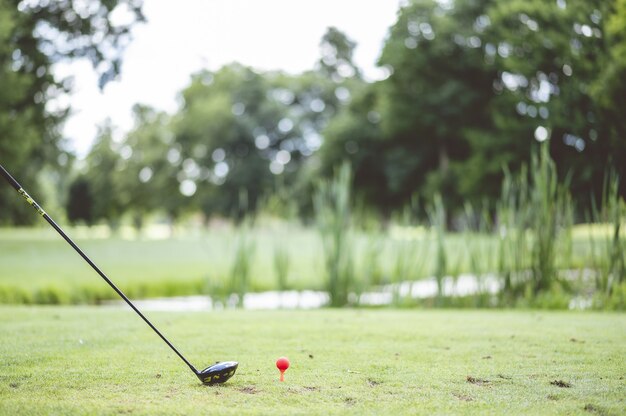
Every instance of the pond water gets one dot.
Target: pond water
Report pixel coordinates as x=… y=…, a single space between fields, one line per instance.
x=461 y=286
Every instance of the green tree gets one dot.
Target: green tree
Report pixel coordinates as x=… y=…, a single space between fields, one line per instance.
x=216 y=131
x=79 y=205
x=474 y=85
x=151 y=180
x=609 y=87
x=239 y=137
x=337 y=52
x=408 y=132
x=243 y=132
x=33 y=36
x=99 y=183
x=354 y=135
x=555 y=61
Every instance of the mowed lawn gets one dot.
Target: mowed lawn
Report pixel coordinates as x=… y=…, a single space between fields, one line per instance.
x=100 y=360
x=38 y=266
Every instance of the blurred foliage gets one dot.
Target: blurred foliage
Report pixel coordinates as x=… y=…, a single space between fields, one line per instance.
x=472 y=87
x=333 y=216
x=502 y=115
x=34 y=35
x=238 y=132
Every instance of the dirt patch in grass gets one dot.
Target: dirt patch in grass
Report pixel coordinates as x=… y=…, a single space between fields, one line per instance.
x=349 y=401
x=248 y=390
x=561 y=383
x=373 y=383
x=14 y=385
x=595 y=409
x=303 y=389
x=477 y=381
x=171 y=393
x=462 y=397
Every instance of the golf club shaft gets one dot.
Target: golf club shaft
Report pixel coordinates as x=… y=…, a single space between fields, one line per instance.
x=54 y=225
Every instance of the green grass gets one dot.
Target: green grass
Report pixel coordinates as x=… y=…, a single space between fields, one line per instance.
x=89 y=360
x=37 y=266
x=35 y=263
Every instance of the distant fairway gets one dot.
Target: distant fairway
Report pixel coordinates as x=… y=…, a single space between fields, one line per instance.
x=37 y=266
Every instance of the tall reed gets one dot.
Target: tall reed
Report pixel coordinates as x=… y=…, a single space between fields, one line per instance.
x=535 y=216
x=242 y=261
x=481 y=257
x=512 y=212
x=332 y=205
x=281 y=265
x=411 y=251
x=550 y=205
x=437 y=218
x=608 y=259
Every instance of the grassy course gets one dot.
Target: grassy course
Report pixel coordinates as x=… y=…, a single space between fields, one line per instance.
x=89 y=360
x=37 y=266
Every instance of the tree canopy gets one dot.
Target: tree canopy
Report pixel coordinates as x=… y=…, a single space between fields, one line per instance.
x=475 y=85
x=34 y=35
x=472 y=87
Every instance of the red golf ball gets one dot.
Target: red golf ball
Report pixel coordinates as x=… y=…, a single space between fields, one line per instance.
x=282 y=363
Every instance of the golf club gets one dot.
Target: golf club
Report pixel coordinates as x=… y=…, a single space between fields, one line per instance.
x=216 y=373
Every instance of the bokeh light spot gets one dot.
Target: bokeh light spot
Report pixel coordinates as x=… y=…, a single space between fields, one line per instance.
x=188 y=187
x=541 y=134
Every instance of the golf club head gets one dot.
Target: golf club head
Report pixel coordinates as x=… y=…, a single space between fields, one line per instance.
x=218 y=373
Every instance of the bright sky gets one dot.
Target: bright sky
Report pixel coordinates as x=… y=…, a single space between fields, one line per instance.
x=184 y=36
